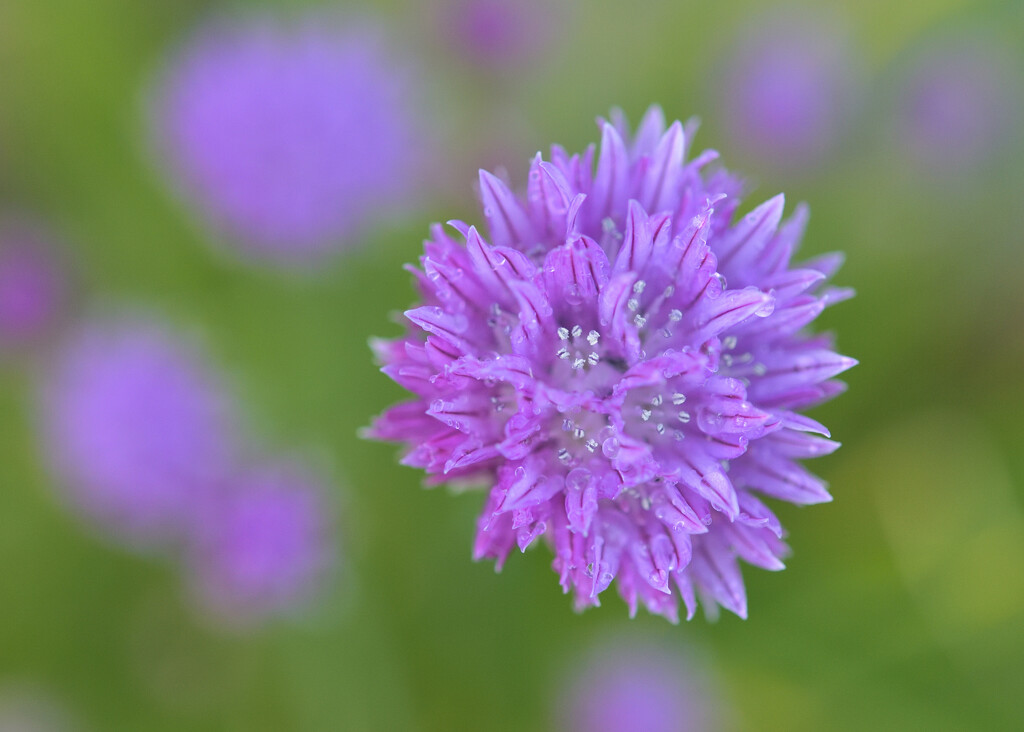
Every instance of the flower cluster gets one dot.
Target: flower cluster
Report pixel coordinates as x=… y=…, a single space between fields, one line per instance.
x=636 y=683
x=791 y=88
x=286 y=137
x=142 y=438
x=625 y=364
x=33 y=286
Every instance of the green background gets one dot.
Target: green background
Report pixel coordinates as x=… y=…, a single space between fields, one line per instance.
x=903 y=604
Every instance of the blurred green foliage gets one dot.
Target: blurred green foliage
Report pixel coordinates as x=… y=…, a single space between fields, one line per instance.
x=903 y=604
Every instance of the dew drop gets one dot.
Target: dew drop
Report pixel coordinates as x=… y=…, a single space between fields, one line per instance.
x=578 y=479
x=766 y=309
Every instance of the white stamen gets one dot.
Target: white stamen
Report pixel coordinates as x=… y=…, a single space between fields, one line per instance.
x=678 y=398
x=577 y=331
x=593 y=337
x=675 y=315
x=563 y=334
x=684 y=417
x=645 y=414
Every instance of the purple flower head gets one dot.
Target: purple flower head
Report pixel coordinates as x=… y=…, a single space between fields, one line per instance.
x=625 y=687
x=957 y=100
x=135 y=427
x=498 y=33
x=260 y=545
x=623 y=361
x=32 y=286
x=25 y=707
x=789 y=92
x=287 y=137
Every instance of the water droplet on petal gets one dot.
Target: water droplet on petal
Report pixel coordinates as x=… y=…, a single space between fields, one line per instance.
x=578 y=479
x=610 y=448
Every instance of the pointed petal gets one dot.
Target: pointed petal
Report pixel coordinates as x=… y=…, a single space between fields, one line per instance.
x=447 y=326
x=745 y=241
x=648 y=132
x=752 y=548
x=549 y=196
x=611 y=183
x=714 y=316
x=755 y=513
x=707 y=479
x=799 y=445
x=497 y=267
x=576 y=272
x=827 y=264
x=508 y=223
x=616 y=317
x=660 y=183
x=790 y=283
x=780 y=478
x=718 y=574
x=636 y=241
x=788 y=371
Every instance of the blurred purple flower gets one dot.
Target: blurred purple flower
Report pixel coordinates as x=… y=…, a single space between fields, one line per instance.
x=498 y=33
x=593 y=366
x=288 y=137
x=32 y=286
x=25 y=707
x=623 y=687
x=135 y=427
x=790 y=90
x=260 y=546
x=956 y=102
